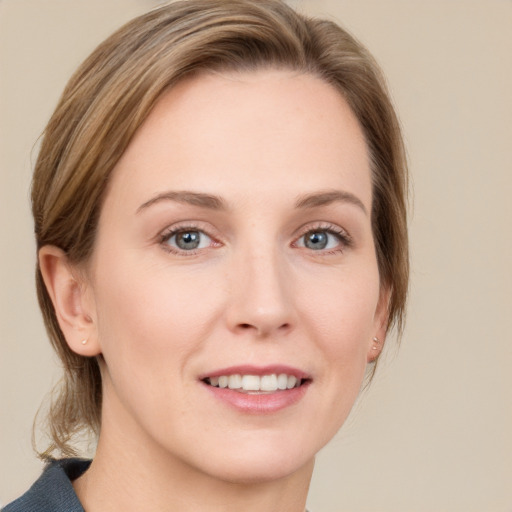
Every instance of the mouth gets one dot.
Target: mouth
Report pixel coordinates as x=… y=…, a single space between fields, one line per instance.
x=256 y=384
x=258 y=390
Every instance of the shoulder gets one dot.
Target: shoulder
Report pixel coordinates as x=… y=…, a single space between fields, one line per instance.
x=53 y=491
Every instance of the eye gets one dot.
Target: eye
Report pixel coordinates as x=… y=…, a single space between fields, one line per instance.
x=318 y=240
x=187 y=240
x=324 y=239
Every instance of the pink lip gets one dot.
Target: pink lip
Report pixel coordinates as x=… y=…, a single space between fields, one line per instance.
x=257 y=370
x=258 y=403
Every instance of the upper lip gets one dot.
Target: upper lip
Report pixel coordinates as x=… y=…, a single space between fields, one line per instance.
x=248 y=369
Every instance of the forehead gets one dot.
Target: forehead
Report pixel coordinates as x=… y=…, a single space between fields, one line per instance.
x=244 y=132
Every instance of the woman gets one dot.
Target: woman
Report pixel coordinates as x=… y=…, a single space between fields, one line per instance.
x=219 y=207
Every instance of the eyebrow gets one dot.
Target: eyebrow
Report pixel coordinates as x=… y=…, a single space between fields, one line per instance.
x=213 y=202
x=328 y=197
x=193 y=198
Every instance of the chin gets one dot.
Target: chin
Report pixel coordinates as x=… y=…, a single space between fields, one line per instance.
x=261 y=471
x=257 y=460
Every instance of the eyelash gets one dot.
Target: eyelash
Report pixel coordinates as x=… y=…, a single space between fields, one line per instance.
x=344 y=239
x=175 y=230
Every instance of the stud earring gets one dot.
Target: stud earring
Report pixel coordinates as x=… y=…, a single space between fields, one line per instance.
x=375 y=340
x=84 y=341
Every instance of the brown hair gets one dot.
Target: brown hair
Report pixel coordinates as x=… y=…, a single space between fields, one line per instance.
x=113 y=91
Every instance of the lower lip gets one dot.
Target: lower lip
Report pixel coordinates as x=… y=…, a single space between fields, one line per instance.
x=259 y=403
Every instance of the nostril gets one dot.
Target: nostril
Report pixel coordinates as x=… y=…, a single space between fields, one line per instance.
x=263 y=328
x=246 y=327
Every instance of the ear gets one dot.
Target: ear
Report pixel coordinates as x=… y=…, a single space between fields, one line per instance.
x=72 y=301
x=380 y=325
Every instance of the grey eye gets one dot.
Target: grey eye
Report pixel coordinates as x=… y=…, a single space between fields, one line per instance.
x=189 y=240
x=320 y=239
x=316 y=240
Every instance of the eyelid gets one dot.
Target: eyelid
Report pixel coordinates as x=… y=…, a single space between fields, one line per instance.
x=334 y=229
x=345 y=239
x=185 y=226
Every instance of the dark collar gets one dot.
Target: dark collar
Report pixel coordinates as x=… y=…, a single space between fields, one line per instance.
x=53 y=491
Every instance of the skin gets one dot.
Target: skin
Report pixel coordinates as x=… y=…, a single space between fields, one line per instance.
x=252 y=293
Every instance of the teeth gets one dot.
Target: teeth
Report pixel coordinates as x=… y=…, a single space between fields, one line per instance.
x=268 y=383
x=282 y=381
x=251 y=383
x=292 y=380
x=235 y=382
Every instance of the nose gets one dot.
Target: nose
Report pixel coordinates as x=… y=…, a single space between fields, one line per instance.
x=260 y=296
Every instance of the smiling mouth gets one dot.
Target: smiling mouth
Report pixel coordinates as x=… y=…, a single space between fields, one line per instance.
x=255 y=383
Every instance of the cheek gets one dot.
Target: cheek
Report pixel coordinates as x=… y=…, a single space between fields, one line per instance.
x=153 y=319
x=341 y=318
x=342 y=309
x=338 y=314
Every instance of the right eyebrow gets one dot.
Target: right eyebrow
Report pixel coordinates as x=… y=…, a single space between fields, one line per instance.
x=208 y=201
x=327 y=197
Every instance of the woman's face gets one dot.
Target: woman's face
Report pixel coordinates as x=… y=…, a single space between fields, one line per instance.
x=234 y=249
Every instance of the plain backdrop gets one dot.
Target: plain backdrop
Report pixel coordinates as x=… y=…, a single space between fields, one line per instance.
x=433 y=434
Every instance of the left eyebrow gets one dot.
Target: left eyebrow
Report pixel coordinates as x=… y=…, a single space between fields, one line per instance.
x=200 y=199
x=328 y=197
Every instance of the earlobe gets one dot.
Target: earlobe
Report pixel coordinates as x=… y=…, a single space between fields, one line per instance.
x=380 y=326
x=73 y=307
x=375 y=349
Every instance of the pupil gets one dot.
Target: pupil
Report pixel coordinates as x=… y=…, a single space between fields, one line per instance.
x=316 y=240
x=188 y=240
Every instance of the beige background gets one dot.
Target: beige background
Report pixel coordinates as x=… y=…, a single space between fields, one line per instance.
x=434 y=432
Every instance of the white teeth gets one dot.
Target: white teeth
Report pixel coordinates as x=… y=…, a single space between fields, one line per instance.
x=235 y=382
x=266 y=383
x=251 y=383
x=282 y=381
x=292 y=380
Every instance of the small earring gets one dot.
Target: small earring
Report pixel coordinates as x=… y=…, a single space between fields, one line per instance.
x=375 y=340
x=84 y=341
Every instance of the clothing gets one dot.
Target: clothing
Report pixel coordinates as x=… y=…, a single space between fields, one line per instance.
x=53 y=491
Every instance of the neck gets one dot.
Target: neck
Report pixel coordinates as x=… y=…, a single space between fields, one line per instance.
x=130 y=483
x=127 y=475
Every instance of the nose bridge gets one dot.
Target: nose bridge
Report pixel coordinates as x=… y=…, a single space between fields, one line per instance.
x=261 y=301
